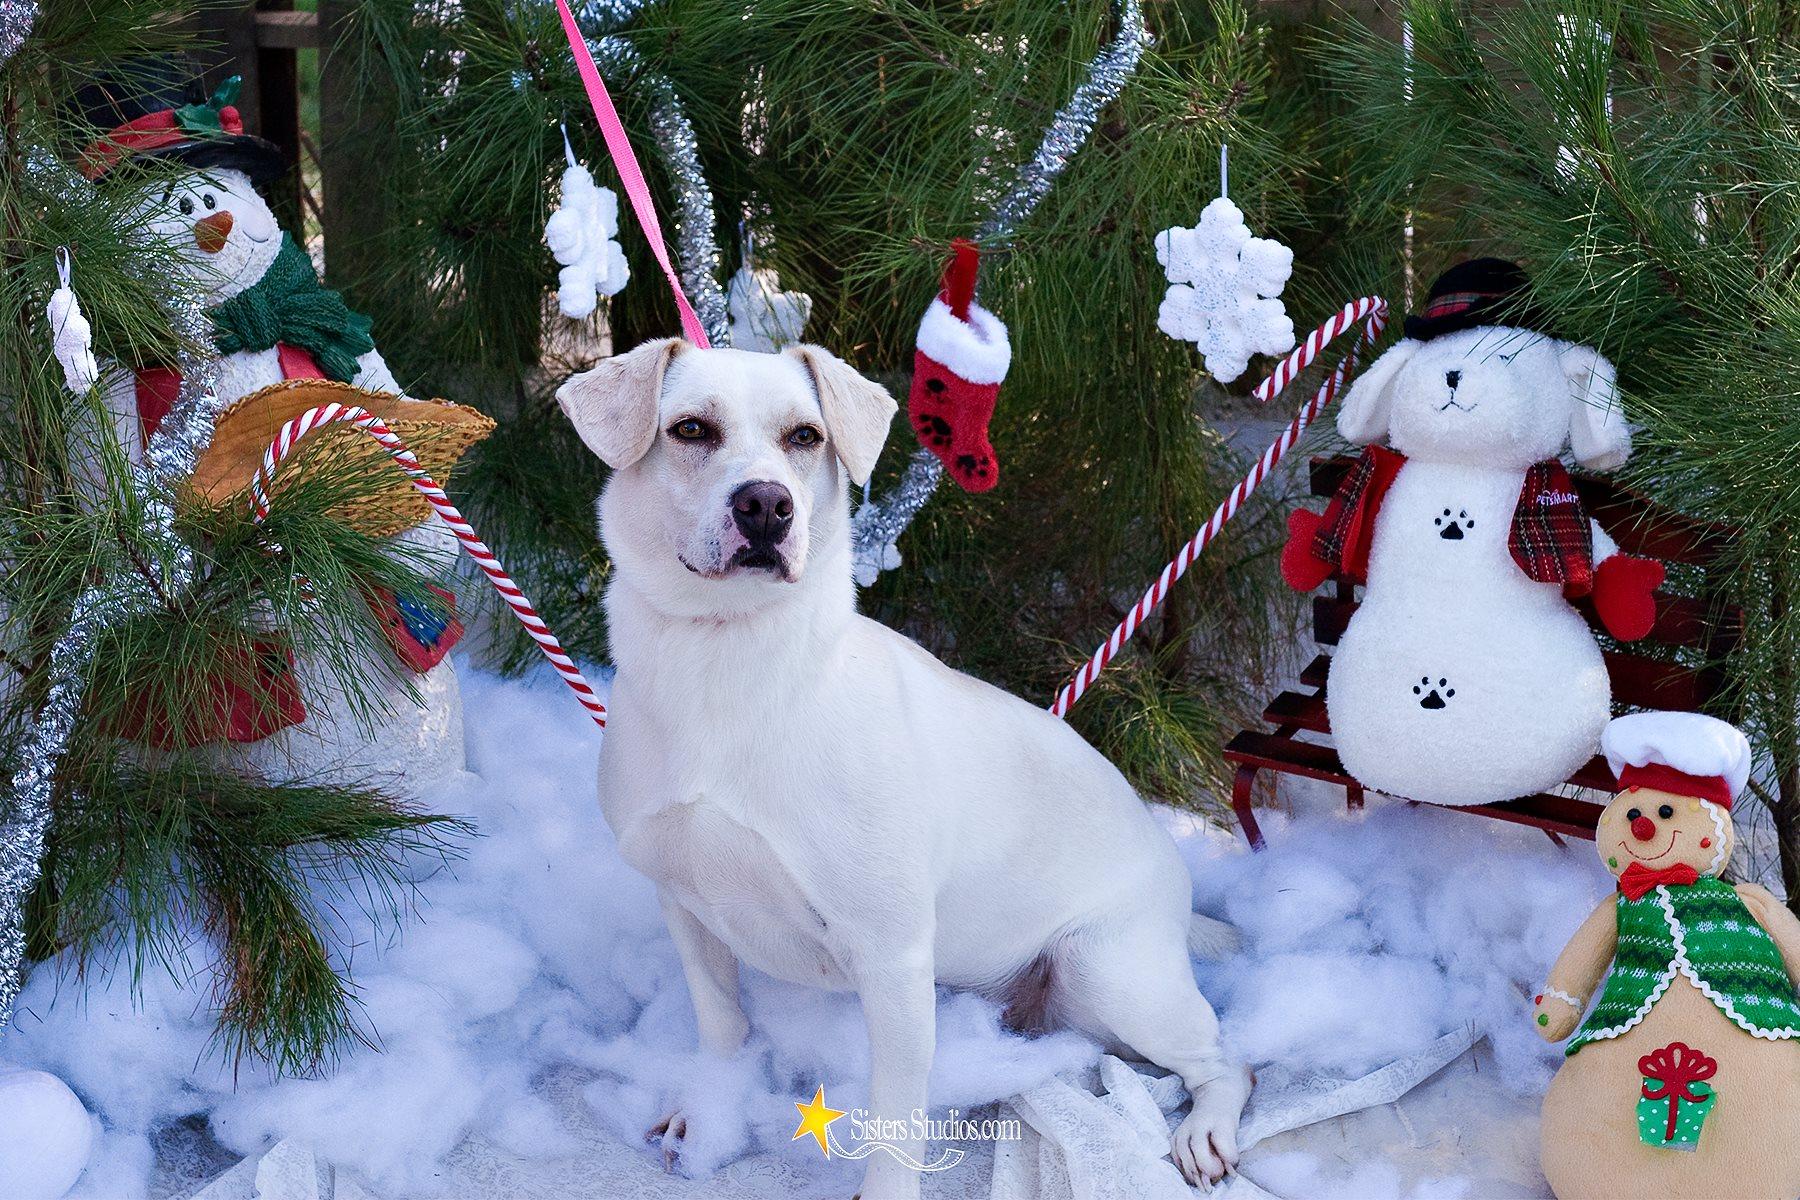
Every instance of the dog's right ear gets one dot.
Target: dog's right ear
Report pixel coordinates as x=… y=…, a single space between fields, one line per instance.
x=1363 y=416
x=613 y=406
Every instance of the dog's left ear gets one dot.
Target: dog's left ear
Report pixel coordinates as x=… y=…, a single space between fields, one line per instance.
x=1598 y=433
x=613 y=406
x=857 y=412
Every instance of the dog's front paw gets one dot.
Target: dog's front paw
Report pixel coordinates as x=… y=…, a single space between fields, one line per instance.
x=1205 y=1145
x=667 y=1135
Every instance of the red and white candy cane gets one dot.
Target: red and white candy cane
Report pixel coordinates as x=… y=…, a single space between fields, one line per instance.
x=375 y=427
x=1373 y=311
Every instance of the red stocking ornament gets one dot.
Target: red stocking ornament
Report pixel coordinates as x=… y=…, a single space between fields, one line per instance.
x=963 y=354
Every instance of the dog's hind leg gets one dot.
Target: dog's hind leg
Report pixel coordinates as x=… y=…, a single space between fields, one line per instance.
x=1131 y=983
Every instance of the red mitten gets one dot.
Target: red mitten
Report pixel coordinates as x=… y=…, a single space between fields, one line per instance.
x=1625 y=595
x=1300 y=567
x=963 y=355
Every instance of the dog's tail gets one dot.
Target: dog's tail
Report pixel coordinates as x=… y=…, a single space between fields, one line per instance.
x=1208 y=937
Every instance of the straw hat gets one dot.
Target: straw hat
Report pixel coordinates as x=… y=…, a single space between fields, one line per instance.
x=438 y=431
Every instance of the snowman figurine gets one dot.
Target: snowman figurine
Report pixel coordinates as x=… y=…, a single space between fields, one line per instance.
x=273 y=322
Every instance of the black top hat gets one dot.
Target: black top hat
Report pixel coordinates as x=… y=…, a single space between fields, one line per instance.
x=1481 y=291
x=154 y=113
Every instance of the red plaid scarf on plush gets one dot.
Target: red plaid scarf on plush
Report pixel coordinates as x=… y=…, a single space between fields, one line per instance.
x=1551 y=539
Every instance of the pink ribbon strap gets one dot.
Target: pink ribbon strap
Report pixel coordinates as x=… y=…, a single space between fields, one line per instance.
x=630 y=174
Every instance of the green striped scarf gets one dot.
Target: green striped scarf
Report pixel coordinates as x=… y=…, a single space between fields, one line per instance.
x=1704 y=931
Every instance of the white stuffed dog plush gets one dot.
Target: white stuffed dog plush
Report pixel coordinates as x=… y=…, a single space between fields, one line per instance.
x=1466 y=677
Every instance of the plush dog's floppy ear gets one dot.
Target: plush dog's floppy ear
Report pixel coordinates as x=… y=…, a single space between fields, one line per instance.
x=1598 y=433
x=1363 y=415
x=613 y=406
x=857 y=412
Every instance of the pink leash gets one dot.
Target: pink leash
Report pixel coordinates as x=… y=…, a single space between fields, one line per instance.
x=630 y=174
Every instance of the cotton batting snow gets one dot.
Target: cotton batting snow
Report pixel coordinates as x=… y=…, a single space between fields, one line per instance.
x=542 y=958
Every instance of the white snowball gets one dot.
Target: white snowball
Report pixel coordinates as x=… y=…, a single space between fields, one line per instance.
x=1223 y=283
x=45 y=1135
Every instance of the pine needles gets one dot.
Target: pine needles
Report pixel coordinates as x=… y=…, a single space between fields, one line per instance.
x=171 y=852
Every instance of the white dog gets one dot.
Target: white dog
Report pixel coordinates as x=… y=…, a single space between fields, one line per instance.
x=818 y=797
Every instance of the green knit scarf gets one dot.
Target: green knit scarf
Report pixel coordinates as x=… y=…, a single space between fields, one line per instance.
x=288 y=304
x=1702 y=931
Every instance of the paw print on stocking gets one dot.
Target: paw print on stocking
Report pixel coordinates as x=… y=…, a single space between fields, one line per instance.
x=963 y=355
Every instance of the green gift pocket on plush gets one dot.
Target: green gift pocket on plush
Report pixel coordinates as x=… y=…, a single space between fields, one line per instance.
x=1670 y=1117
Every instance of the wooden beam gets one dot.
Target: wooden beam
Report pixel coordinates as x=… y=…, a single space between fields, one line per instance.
x=288 y=30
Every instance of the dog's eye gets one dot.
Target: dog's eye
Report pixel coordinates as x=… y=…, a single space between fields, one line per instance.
x=806 y=435
x=691 y=429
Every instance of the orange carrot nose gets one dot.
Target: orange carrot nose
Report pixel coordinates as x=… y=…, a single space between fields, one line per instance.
x=210 y=232
x=1643 y=828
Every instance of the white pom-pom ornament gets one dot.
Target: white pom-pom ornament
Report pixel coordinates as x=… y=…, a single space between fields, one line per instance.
x=583 y=236
x=1224 y=283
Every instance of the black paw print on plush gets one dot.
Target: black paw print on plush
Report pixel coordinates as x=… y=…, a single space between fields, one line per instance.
x=1433 y=697
x=1451 y=525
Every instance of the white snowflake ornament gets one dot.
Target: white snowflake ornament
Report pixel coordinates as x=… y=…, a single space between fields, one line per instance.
x=763 y=317
x=583 y=235
x=1223 y=284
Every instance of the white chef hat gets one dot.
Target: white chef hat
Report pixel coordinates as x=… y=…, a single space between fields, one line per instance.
x=1688 y=754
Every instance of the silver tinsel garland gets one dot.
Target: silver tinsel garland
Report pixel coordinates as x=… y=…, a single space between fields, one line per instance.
x=169 y=458
x=16 y=20
x=696 y=247
x=879 y=522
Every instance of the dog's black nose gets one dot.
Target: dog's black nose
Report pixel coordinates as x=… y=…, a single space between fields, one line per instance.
x=1452 y=377
x=763 y=512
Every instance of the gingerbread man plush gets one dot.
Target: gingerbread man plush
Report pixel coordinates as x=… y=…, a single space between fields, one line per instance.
x=1684 y=1079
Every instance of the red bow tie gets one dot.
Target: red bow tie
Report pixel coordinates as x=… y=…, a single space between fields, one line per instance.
x=1638 y=879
